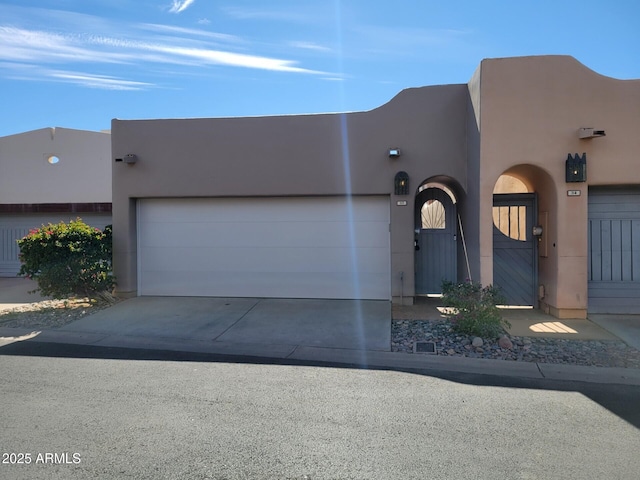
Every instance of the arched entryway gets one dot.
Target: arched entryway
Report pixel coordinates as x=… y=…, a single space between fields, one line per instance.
x=520 y=232
x=515 y=266
x=436 y=235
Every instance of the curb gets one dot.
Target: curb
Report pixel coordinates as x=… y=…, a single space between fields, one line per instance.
x=360 y=358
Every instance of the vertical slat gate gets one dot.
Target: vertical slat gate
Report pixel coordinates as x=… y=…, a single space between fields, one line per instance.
x=614 y=250
x=514 y=248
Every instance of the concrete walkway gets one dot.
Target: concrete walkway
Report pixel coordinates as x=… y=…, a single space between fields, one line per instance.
x=529 y=322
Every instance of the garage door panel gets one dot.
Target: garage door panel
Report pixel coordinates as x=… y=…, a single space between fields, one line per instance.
x=614 y=251
x=262 y=260
x=272 y=209
x=268 y=247
x=275 y=285
x=249 y=235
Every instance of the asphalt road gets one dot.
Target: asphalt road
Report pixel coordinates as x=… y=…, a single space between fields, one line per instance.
x=116 y=413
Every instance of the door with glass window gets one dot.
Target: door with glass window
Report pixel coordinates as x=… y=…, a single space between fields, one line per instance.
x=436 y=241
x=515 y=264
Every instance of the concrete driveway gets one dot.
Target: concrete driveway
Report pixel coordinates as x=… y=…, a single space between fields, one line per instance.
x=254 y=322
x=229 y=322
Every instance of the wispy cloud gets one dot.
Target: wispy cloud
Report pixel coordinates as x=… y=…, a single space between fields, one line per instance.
x=267 y=14
x=21 y=71
x=143 y=47
x=179 y=6
x=104 y=82
x=190 y=31
x=233 y=59
x=309 y=46
x=18 y=44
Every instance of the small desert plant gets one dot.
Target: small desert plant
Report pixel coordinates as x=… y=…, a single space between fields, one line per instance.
x=68 y=259
x=474 y=308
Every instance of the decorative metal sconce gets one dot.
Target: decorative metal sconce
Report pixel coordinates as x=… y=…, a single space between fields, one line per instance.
x=576 y=168
x=401 y=183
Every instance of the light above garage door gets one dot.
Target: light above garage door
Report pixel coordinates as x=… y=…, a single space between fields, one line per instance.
x=286 y=247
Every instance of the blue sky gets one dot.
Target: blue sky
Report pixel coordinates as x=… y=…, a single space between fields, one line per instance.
x=80 y=63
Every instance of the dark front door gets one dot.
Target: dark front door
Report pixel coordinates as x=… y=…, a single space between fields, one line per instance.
x=514 y=247
x=436 y=246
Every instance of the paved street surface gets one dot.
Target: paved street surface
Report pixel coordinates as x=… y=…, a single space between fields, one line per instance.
x=117 y=413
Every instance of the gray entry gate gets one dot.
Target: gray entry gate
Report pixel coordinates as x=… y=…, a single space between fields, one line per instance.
x=436 y=245
x=514 y=247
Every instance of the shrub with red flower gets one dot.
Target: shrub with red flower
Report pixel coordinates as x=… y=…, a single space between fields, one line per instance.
x=68 y=259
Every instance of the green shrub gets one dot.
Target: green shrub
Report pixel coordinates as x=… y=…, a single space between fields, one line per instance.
x=475 y=310
x=68 y=259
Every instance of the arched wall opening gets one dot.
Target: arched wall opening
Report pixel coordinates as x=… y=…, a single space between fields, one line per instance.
x=440 y=251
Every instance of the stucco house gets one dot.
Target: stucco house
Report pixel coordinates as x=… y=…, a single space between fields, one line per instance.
x=51 y=175
x=484 y=181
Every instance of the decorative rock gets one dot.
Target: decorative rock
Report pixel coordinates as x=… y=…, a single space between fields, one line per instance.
x=505 y=343
x=477 y=342
x=404 y=333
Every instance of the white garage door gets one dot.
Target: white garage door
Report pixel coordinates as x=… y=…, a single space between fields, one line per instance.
x=15 y=226
x=614 y=250
x=293 y=247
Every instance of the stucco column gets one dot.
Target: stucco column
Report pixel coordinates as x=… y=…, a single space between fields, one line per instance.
x=486 y=233
x=572 y=250
x=125 y=247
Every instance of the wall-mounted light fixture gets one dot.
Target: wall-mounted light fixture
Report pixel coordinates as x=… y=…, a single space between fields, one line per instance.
x=394 y=152
x=128 y=158
x=576 y=168
x=590 y=133
x=401 y=183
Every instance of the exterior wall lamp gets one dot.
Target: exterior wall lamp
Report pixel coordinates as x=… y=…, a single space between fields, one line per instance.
x=401 y=183
x=128 y=158
x=590 y=133
x=576 y=168
x=394 y=152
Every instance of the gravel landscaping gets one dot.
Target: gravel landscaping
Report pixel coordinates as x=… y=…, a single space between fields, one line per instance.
x=51 y=313
x=602 y=353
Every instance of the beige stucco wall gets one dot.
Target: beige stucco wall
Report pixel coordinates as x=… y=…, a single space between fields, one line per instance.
x=329 y=154
x=518 y=115
x=532 y=108
x=83 y=174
